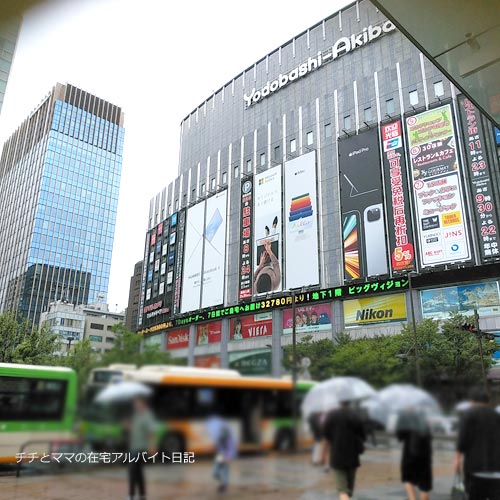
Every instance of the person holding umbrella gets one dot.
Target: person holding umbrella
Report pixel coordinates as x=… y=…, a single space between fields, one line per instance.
x=416 y=460
x=142 y=438
x=345 y=433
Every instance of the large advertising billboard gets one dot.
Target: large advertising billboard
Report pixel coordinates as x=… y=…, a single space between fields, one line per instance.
x=438 y=303
x=208 y=361
x=178 y=220
x=246 y=227
x=437 y=187
x=253 y=362
x=479 y=169
x=308 y=319
x=375 y=310
x=361 y=197
x=214 y=257
x=301 y=222
x=208 y=333
x=252 y=326
x=178 y=338
x=193 y=258
x=267 y=232
x=397 y=202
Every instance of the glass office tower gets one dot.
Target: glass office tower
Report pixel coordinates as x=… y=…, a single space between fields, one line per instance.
x=59 y=182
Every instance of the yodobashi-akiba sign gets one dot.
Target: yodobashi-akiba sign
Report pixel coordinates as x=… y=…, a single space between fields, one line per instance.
x=341 y=47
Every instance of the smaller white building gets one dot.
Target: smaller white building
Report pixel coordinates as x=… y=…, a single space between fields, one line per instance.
x=75 y=323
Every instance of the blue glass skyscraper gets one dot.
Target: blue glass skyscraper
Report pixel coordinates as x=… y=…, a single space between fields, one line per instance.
x=59 y=183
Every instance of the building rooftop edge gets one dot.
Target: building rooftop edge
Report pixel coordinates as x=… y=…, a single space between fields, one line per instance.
x=347 y=7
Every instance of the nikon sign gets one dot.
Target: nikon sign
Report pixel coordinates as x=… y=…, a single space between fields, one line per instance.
x=341 y=47
x=375 y=310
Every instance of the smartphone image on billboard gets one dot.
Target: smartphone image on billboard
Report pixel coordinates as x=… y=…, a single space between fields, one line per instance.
x=351 y=237
x=213 y=225
x=375 y=242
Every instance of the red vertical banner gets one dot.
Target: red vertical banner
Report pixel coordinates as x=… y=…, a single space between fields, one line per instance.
x=246 y=224
x=401 y=249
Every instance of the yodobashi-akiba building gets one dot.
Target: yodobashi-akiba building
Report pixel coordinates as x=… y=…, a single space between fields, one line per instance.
x=326 y=173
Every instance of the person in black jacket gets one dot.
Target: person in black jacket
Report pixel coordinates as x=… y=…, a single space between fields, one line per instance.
x=478 y=448
x=416 y=460
x=344 y=430
x=316 y=427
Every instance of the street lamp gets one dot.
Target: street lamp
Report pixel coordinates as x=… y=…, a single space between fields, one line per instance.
x=414 y=328
x=69 y=339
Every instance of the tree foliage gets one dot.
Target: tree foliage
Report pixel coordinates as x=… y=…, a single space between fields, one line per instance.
x=127 y=349
x=449 y=357
x=20 y=343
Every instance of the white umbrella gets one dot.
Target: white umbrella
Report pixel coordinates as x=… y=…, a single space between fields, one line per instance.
x=328 y=394
x=497 y=409
x=397 y=398
x=463 y=406
x=123 y=391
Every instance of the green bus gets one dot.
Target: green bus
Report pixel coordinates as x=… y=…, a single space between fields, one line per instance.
x=37 y=408
x=259 y=409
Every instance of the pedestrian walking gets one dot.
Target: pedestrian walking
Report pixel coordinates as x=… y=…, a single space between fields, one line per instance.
x=345 y=433
x=315 y=424
x=142 y=438
x=478 y=449
x=225 y=452
x=416 y=459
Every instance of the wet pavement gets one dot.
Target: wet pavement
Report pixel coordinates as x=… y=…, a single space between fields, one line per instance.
x=270 y=476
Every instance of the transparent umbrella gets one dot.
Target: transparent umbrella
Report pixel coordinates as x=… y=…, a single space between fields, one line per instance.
x=398 y=398
x=123 y=391
x=328 y=394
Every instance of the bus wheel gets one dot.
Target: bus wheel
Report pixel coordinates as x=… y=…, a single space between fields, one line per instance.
x=284 y=440
x=172 y=443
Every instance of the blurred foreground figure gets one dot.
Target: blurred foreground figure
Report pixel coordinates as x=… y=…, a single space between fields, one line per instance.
x=142 y=438
x=416 y=460
x=478 y=449
x=344 y=430
x=225 y=450
x=316 y=421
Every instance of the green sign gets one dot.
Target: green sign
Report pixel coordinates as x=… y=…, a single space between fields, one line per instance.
x=256 y=362
x=284 y=299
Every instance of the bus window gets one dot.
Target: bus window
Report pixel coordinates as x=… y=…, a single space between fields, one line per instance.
x=23 y=398
x=173 y=402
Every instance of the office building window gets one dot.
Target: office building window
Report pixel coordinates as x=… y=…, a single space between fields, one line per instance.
x=236 y=171
x=389 y=106
x=203 y=188
x=328 y=130
x=212 y=184
x=176 y=204
x=224 y=177
x=110 y=340
x=310 y=138
x=438 y=89
x=347 y=122
x=413 y=97
x=263 y=159
x=249 y=165
x=277 y=153
x=95 y=338
x=96 y=326
x=193 y=194
x=368 y=114
x=293 y=146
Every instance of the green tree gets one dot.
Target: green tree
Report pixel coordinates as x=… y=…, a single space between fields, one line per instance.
x=372 y=359
x=82 y=359
x=12 y=332
x=318 y=351
x=37 y=347
x=127 y=349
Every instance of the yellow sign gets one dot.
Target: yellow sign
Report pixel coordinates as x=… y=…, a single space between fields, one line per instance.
x=452 y=219
x=375 y=310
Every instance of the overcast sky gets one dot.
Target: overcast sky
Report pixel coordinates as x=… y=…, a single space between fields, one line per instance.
x=158 y=60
